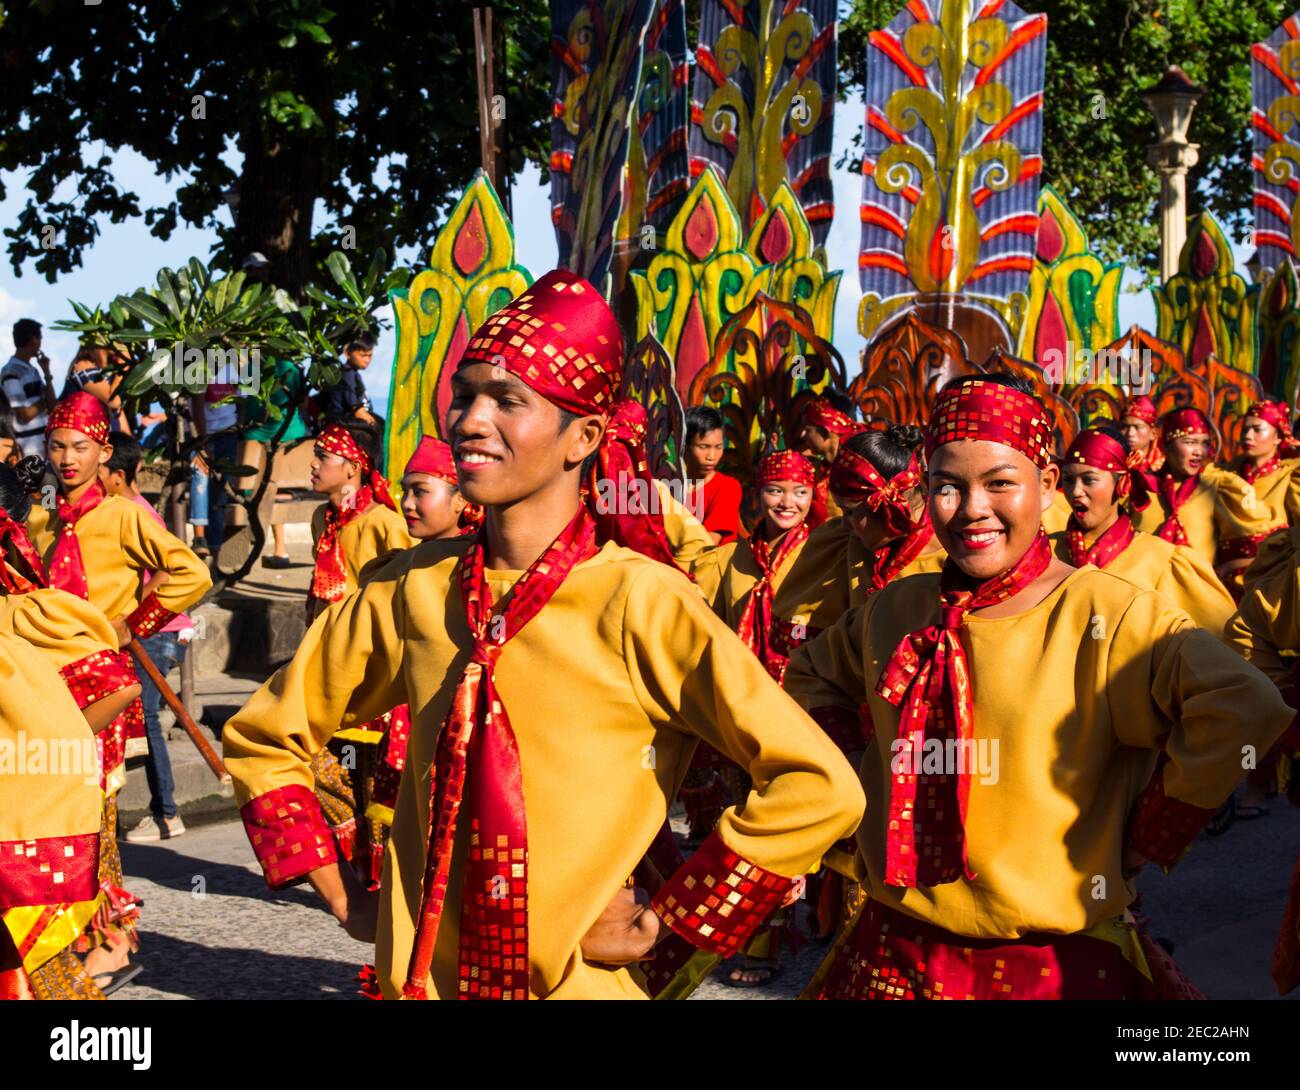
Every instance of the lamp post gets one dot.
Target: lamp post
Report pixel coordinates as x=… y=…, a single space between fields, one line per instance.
x=1172 y=101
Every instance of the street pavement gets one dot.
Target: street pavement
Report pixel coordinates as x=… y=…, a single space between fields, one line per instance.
x=212 y=930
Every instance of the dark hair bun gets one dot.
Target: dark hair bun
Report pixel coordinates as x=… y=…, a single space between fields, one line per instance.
x=31 y=473
x=908 y=436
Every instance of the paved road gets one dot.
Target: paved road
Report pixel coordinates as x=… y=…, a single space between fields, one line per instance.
x=212 y=930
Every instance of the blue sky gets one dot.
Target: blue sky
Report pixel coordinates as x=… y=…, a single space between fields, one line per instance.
x=126 y=256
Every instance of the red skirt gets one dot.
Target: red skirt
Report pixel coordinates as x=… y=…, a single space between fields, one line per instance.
x=890 y=955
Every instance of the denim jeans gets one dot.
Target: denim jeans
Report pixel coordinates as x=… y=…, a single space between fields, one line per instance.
x=166 y=650
x=208 y=497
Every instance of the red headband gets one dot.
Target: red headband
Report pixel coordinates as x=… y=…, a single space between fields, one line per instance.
x=560 y=339
x=1100 y=451
x=1181 y=422
x=1141 y=407
x=785 y=465
x=433 y=457
x=81 y=412
x=855 y=479
x=823 y=414
x=336 y=439
x=1275 y=413
x=993 y=413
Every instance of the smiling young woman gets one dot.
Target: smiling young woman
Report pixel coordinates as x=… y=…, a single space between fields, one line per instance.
x=1103 y=491
x=1079 y=687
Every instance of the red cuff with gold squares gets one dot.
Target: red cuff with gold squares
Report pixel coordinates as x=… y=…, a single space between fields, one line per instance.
x=289 y=834
x=92 y=678
x=148 y=617
x=1162 y=828
x=717 y=899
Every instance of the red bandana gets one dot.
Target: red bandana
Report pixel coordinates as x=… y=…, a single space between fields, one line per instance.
x=1100 y=451
x=478 y=760
x=755 y=624
x=81 y=412
x=928 y=679
x=785 y=465
x=820 y=412
x=979 y=409
x=15 y=534
x=1275 y=413
x=1141 y=408
x=329 y=580
x=856 y=480
x=1181 y=422
x=67 y=570
x=626 y=501
x=1173 y=493
x=561 y=339
x=434 y=458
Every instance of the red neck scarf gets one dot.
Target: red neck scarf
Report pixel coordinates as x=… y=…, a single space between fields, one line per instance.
x=1118 y=537
x=854 y=478
x=1173 y=494
x=330 y=579
x=15 y=534
x=928 y=679
x=1250 y=472
x=755 y=624
x=67 y=570
x=478 y=760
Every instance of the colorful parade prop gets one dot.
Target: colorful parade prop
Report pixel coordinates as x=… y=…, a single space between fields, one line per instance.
x=763 y=103
x=472 y=273
x=953 y=155
x=597 y=50
x=1073 y=294
x=1275 y=104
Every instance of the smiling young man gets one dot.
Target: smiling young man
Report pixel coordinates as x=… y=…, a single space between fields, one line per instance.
x=1103 y=490
x=558 y=688
x=101 y=548
x=1035 y=733
x=1210 y=510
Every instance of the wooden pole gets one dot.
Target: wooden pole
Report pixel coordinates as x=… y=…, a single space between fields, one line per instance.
x=183 y=717
x=483 y=70
x=179 y=516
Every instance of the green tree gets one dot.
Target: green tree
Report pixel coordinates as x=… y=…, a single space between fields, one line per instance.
x=1102 y=54
x=273 y=104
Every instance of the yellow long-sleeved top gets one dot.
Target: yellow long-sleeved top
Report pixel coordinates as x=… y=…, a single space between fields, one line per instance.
x=1057 y=517
x=686 y=534
x=377 y=530
x=64 y=628
x=1173 y=571
x=608 y=688
x=1079 y=692
x=1266 y=628
x=1280 y=492
x=49 y=788
x=1222 y=509
x=120 y=545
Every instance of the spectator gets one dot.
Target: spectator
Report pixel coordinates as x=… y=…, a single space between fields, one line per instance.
x=714 y=498
x=29 y=389
x=165 y=647
x=288 y=395
x=90 y=370
x=215 y=413
x=347 y=398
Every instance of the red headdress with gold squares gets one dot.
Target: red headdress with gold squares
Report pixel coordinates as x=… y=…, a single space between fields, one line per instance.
x=81 y=412
x=980 y=409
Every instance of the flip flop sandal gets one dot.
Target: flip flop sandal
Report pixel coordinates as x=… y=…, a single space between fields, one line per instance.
x=118 y=978
x=1248 y=811
x=772 y=971
x=1222 y=820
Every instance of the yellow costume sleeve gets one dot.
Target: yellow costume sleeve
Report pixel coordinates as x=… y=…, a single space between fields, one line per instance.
x=709 y=570
x=50 y=799
x=692 y=674
x=825 y=677
x=1238 y=511
x=686 y=534
x=1214 y=715
x=149 y=547
x=1190 y=584
x=346 y=672
x=63 y=627
x=1268 y=619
